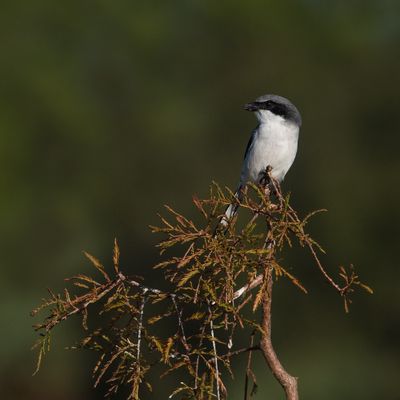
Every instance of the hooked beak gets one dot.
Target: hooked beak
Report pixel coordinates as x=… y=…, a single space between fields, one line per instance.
x=252 y=106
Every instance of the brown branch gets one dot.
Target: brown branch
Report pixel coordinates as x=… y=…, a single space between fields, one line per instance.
x=205 y=275
x=248 y=368
x=288 y=382
x=240 y=351
x=78 y=305
x=322 y=269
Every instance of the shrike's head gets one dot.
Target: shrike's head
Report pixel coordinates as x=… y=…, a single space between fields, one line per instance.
x=272 y=107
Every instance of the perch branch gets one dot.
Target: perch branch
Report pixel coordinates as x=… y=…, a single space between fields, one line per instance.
x=288 y=382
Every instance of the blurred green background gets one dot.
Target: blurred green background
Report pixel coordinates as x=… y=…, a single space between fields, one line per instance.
x=110 y=109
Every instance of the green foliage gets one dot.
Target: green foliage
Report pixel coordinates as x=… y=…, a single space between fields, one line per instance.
x=211 y=298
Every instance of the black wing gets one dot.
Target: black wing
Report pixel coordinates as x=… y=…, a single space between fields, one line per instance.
x=250 y=142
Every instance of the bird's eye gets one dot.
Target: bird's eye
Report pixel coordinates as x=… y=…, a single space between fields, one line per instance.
x=266 y=105
x=271 y=105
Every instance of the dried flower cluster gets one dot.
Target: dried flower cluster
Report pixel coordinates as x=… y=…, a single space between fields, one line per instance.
x=218 y=282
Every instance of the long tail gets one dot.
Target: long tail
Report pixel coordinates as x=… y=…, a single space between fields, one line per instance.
x=232 y=209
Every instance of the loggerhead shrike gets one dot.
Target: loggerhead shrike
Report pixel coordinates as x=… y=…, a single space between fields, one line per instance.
x=272 y=143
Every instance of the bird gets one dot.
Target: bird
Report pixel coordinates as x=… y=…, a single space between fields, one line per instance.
x=273 y=143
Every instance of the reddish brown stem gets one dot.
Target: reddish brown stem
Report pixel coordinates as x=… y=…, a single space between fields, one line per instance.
x=288 y=382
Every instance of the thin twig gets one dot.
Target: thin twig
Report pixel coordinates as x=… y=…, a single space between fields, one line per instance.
x=179 y=314
x=248 y=368
x=133 y=283
x=322 y=269
x=215 y=354
x=196 y=377
x=240 y=351
x=140 y=326
x=248 y=287
x=82 y=303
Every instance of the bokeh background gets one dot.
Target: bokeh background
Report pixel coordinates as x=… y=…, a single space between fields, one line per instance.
x=110 y=109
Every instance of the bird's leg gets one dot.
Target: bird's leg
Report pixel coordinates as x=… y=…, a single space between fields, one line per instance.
x=271 y=187
x=268 y=183
x=265 y=177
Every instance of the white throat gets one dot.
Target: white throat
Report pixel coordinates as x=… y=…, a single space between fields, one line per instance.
x=266 y=116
